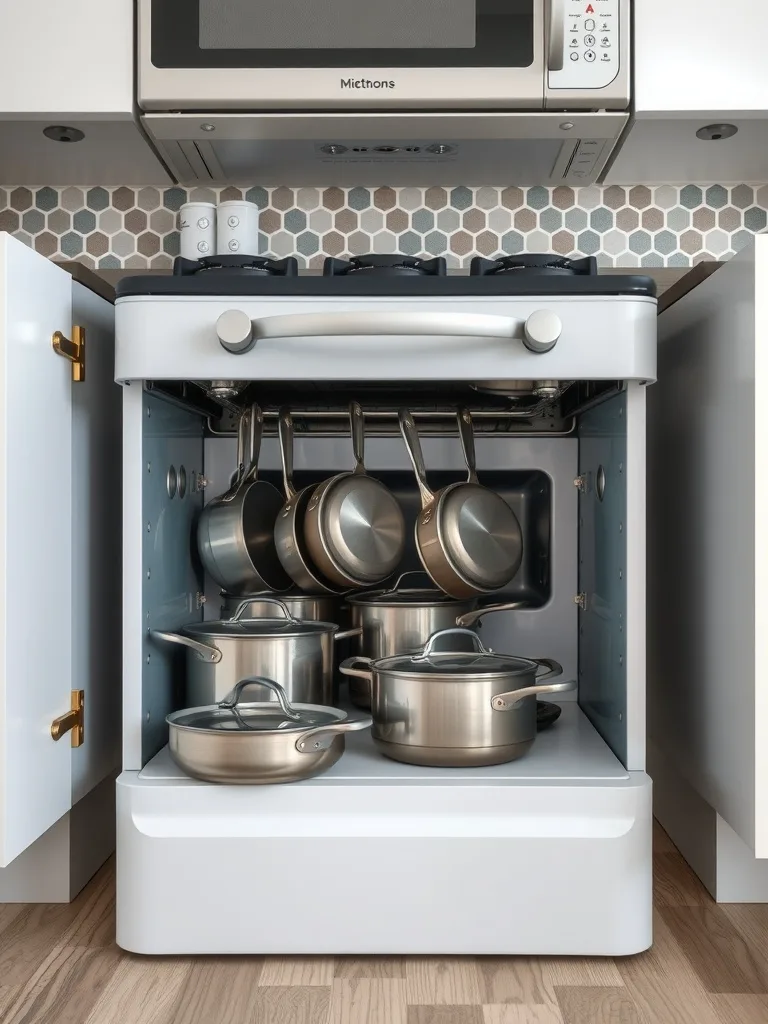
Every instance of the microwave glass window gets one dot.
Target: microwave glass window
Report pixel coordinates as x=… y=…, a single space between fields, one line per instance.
x=343 y=33
x=329 y=24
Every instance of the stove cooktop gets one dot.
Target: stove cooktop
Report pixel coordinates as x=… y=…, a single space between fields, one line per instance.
x=395 y=275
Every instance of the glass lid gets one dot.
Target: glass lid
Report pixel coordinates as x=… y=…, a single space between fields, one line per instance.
x=253 y=718
x=259 y=627
x=233 y=714
x=399 y=594
x=441 y=656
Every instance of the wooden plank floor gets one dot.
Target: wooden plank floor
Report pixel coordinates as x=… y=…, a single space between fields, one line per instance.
x=708 y=965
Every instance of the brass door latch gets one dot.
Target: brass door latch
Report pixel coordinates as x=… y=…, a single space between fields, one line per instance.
x=73 y=350
x=74 y=720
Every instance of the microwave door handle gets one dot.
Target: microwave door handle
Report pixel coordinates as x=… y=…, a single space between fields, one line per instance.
x=556 y=27
x=237 y=333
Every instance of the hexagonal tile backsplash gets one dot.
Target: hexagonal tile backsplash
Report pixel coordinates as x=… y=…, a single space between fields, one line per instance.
x=670 y=225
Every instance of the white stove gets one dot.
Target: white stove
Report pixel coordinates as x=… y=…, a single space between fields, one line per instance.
x=550 y=854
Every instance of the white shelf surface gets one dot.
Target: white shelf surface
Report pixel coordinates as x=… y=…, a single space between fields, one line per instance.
x=570 y=752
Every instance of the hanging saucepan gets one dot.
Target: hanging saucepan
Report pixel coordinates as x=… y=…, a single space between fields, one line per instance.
x=455 y=708
x=236 y=533
x=290 y=541
x=354 y=526
x=402 y=618
x=298 y=654
x=258 y=743
x=468 y=538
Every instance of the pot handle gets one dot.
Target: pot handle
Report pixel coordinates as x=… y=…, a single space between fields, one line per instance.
x=323 y=736
x=262 y=600
x=345 y=634
x=470 y=618
x=429 y=646
x=347 y=668
x=232 y=699
x=552 y=668
x=203 y=651
x=508 y=701
x=413 y=444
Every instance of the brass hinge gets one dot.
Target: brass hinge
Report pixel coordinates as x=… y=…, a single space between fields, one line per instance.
x=73 y=350
x=73 y=721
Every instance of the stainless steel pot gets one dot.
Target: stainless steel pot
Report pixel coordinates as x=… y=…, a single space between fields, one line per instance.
x=455 y=708
x=258 y=743
x=296 y=653
x=401 y=620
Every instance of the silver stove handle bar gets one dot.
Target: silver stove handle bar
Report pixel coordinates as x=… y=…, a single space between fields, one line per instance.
x=238 y=333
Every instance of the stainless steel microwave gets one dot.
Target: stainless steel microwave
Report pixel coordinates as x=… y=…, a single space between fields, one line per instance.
x=305 y=90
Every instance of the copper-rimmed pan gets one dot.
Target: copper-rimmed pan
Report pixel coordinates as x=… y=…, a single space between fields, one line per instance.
x=291 y=546
x=468 y=538
x=236 y=533
x=354 y=526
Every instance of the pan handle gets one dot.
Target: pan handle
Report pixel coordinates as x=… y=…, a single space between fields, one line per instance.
x=552 y=668
x=467 y=435
x=203 y=651
x=347 y=668
x=256 y=429
x=323 y=736
x=285 y=429
x=470 y=618
x=258 y=599
x=507 y=701
x=357 y=428
x=413 y=444
x=238 y=333
x=345 y=634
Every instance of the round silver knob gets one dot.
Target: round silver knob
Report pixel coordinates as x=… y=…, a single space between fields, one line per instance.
x=542 y=330
x=235 y=331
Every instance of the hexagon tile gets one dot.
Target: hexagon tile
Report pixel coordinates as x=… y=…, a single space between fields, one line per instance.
x=627 y=226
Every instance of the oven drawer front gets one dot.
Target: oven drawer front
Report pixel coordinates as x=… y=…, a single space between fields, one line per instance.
x=384 y=339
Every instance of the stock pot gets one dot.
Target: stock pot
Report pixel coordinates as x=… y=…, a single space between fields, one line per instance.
x=296 y=653
x=400 y=620
x=453 y=707
x=321 y=607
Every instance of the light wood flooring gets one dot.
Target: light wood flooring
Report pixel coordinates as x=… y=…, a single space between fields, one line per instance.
x=709 y=965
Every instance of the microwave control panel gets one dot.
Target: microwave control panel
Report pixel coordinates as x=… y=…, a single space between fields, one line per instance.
x=584 y=40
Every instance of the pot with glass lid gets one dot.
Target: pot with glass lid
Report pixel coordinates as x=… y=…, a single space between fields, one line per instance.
x=452 y=707
x=400 y=619
x=262 y=743
x=296 y=653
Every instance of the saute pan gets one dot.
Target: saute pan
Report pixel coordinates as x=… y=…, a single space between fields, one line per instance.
x=354 y=527
x=465 y=537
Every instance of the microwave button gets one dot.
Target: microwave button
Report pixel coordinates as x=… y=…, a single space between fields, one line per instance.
x=590 y=56
x=605 y=41
x=574 y=55
x=590 y=41
x=589 y=25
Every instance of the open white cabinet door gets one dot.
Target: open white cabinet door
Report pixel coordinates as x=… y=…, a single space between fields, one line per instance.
x=36 y=617
x=708 y=543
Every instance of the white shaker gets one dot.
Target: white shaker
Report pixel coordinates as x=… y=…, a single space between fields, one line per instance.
x=197 y=226
x=237 y=231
